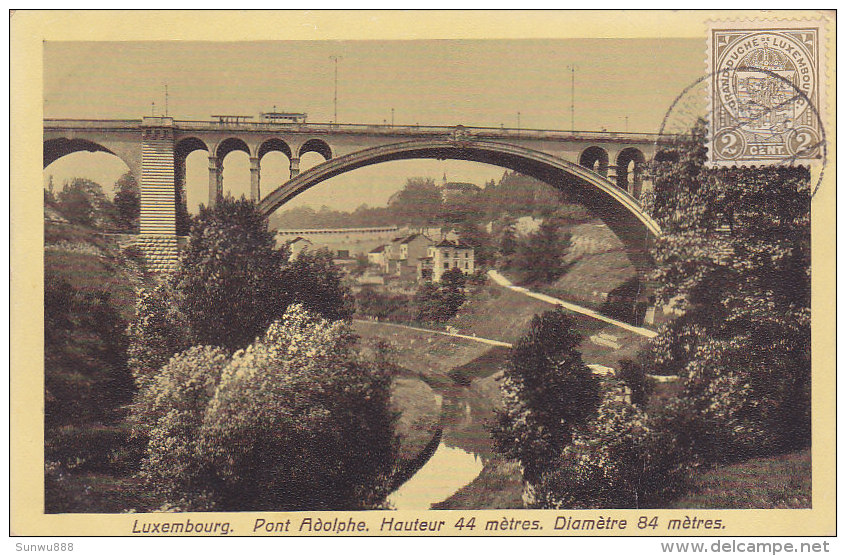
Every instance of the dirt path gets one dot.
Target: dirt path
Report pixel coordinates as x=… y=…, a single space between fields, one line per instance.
x=487 y=341
x=506 y=283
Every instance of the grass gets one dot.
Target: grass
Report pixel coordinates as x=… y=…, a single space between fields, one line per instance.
x=430 y=355
x=782 y=481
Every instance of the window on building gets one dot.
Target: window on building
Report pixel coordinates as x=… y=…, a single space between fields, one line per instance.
x=446 y=265
x=466 y=266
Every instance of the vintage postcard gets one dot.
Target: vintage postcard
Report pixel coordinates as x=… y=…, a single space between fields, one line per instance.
x=382 y=273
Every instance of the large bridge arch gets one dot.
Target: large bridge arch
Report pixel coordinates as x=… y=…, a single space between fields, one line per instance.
x=620 y=211
x=57 y=147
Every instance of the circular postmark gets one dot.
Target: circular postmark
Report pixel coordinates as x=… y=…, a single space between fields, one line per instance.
x=778 y=116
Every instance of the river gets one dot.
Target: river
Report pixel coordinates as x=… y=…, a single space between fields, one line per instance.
x=458 y=459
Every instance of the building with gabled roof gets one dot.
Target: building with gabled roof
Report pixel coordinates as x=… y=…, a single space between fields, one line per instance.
x=444 y=256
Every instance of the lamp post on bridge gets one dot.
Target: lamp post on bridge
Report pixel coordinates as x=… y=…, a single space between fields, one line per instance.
x=335 y=59
x=572 y=98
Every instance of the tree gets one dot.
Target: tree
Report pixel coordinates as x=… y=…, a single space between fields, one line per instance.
x=169 y=411
x=127 y=203
x=230 y=281
x=86 y=377
x=541 y=257
x=547 y=391
x=440 y=302
x=508 y=240
x=452 y=291
x=428 y=301
x=317 y=284
x=419 y=202
x=158 y=331
x=735 y=256
x=81 y=200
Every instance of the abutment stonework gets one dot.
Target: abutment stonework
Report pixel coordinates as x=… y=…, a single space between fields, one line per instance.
x=161 y=252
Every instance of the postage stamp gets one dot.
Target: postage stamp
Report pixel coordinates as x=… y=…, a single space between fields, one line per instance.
x=764 y=93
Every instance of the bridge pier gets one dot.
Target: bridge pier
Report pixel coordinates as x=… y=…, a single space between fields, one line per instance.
x=157 y=234
x=215 y=180
x=295 y=167
x=255 y=179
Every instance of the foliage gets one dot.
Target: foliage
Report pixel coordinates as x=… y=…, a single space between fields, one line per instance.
x=547 y=391
x=81 y=201
x=440 y=302
x=169 y=410
x=480 y=240
x=620 y=458
x=86 y=377
x=541 y=257
x=418 y=203
x=735 y=257
x=293 y=422
x=158 y=331
x=317 y=284
x=383 y=306
x=633 y=375
x=231 y=280
x=626 y=302
x=127 y=203
x=508 y=239
x=93 y=448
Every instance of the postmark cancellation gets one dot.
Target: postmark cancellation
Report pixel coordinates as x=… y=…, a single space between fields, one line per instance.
x=765 y=93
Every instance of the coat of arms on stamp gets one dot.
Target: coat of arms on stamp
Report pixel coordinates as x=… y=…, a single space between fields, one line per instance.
x=764 y=94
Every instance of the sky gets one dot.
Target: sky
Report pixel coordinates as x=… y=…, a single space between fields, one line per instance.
x=618 y=83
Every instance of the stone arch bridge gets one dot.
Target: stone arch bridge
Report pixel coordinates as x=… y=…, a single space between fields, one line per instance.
x=604 y=169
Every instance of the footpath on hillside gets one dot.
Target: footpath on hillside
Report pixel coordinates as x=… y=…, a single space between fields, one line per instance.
x=506 y=283
x=442 y=333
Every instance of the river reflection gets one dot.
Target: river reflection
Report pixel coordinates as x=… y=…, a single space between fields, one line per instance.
x=447 y=470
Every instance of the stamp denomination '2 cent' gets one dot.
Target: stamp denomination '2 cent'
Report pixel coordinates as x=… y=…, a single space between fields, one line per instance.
x=764 y=94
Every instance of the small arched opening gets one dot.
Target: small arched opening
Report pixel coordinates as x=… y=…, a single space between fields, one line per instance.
x=275 y=163
x=312 y=153
x=233 y=159
x=630 y=167
x=596 y=159
x=190 y=161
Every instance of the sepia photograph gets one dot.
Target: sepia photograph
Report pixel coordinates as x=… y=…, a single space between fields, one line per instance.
x=368 y=278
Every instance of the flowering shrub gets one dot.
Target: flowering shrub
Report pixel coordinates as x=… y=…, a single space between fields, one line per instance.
x=298 y=422
x=170 y=410
x=293 y=422
x=621 y=458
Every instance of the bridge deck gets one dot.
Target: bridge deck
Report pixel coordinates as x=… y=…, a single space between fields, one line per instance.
x=365 y=129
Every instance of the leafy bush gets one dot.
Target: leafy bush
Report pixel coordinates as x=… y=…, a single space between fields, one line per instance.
x=634 y=377
x=384 y=306
x=735 y=256
x=547 y=390
x=92 y=448
x=317 y=284
x=621 y=458
x=293 y=422
x=86 y=376
x=440 y=302
x=158 y=331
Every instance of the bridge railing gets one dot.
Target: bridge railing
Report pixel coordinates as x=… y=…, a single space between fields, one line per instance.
x=404 y=130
